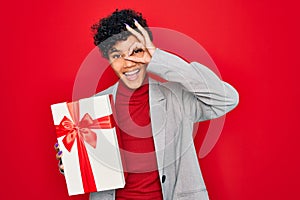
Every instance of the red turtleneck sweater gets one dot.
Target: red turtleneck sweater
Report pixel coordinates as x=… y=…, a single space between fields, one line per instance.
x=133 y=113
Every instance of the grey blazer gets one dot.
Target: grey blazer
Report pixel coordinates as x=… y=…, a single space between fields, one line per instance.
x=191 y=94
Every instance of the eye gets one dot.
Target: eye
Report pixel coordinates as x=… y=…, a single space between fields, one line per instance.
x=116 y=56
x=136 y=51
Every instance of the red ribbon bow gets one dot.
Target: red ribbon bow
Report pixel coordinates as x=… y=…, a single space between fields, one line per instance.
x=81 y=130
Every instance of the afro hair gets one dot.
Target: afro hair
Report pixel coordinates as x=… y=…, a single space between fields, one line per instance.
x=112 y=29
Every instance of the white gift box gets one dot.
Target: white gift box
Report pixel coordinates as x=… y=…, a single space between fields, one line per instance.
x=88 y=140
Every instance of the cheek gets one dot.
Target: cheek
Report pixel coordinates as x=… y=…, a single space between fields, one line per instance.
x=116 y=66
x=144 y=67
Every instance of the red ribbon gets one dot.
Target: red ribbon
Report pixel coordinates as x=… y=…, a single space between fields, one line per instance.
x=81 y=130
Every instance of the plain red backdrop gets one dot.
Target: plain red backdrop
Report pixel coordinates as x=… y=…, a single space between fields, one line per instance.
x=255 y=45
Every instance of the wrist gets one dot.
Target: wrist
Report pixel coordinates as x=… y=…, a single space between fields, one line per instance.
x=151 y=50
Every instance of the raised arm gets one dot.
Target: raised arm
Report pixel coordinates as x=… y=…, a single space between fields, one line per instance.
x=204 y=95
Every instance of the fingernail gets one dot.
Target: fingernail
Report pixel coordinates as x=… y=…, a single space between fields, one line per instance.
x=59 y=153
x=135 y=20
x=56 y=145
x=126 y=25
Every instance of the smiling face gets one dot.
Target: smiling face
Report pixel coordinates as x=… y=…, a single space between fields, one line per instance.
x=131 y=73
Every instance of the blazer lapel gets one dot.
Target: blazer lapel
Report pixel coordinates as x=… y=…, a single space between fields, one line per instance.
x=158 y=119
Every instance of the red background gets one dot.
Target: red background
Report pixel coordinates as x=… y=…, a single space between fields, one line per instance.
x=255 y=45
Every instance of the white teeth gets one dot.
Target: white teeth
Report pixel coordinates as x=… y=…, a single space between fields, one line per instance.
x=131 y=72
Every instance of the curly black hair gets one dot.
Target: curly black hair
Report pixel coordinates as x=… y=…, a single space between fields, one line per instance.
x=111 y=29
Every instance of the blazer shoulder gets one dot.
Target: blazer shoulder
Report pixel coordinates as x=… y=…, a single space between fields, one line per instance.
x=109 y=90
x=173 y=87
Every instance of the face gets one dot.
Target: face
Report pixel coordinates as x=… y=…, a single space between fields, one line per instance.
x=130 y=72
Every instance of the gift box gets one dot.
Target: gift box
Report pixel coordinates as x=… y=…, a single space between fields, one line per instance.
x=86 y=133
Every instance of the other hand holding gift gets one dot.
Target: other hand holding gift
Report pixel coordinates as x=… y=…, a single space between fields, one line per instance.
x=58 y=157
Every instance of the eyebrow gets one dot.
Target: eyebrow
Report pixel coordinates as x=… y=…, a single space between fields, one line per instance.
x=113 y=50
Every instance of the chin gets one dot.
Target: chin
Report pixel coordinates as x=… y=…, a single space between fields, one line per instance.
x=132 y=85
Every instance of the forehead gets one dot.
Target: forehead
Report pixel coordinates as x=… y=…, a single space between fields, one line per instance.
x=123 y=46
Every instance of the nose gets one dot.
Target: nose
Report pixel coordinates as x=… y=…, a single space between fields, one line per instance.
x=128 y=63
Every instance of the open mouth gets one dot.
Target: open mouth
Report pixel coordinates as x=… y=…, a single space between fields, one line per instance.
x=132 y=75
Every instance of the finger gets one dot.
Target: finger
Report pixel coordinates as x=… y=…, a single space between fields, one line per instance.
x=134 y=46
x=135 y=59
x=59 y=155
x=148 y=43
x=60 y=162
x=62 y=171
x=136 y=34
x=56 y=146
x=61 y=168
x=143 y=31
x=145 y=59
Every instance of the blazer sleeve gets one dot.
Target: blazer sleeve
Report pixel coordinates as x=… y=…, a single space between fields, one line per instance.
x=203 y=94
x=103 y=195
